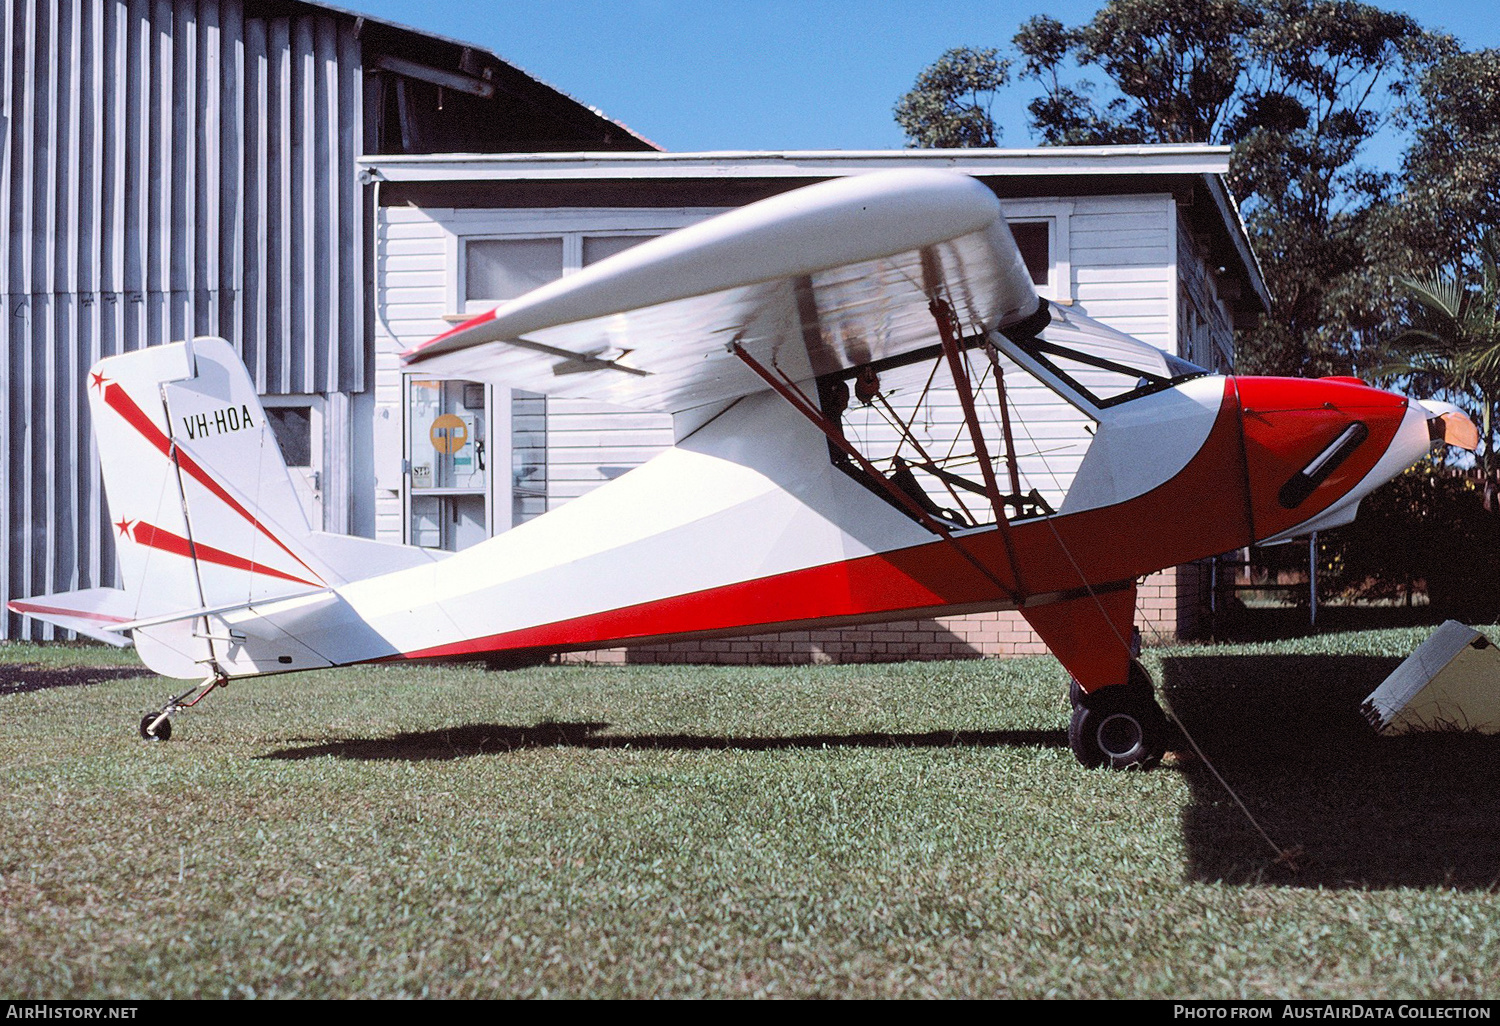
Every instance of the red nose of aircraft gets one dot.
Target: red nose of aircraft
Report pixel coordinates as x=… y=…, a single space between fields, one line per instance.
x=1315 y=448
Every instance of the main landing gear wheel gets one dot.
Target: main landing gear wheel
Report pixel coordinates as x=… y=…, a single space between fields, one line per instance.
x=162 y=731
x=1121 y=727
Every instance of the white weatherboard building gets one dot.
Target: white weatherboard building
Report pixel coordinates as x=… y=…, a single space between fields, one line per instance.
x=1144 y=238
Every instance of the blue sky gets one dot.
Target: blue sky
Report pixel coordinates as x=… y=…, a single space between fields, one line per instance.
x=772 y=74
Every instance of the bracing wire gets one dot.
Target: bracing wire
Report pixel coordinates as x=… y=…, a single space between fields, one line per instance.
x=1287 y=856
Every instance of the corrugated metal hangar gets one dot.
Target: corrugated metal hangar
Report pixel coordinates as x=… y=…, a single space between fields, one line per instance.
x=324 y=189
x=172 y=168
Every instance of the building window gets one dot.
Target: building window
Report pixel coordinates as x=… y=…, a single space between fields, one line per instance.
x=1034 y=240
x=292 y=426
x=296 y=422
x=597 y=247
x=1040 y=228
x=499 y=269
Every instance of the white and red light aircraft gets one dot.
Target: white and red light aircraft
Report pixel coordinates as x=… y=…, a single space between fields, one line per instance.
x=876 y=419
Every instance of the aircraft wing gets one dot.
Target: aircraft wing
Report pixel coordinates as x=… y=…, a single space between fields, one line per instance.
x=816 y=280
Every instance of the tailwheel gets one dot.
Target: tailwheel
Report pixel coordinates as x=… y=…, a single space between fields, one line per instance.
x=155 y=727
x=1120 y=727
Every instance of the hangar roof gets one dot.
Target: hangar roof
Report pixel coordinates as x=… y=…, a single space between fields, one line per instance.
x=461 y=95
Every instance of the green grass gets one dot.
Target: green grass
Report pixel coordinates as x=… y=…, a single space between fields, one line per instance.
x=910 y=830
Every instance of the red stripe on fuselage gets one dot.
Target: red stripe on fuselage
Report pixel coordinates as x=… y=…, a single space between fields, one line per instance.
x=119 y=400
x=925 y=577
x=1202 y=511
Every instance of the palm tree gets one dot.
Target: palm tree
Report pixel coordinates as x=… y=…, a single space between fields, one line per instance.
x=1456 y=341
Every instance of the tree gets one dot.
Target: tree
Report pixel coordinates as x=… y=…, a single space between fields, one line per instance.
x=1456 y=339
x=950 y=105
x=1451 y=174
x=1298 y=86
x=1177 y=66
x=1437 y=213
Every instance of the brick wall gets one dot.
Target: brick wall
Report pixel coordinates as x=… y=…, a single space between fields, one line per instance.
x=1166 y=609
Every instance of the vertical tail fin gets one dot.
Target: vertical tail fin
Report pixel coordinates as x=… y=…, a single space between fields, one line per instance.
x=204 y=511
x=205 y=516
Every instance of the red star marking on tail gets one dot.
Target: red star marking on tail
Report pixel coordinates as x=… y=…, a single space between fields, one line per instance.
x=123 y=526
x=97 y=380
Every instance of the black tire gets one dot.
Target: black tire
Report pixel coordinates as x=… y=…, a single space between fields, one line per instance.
x=163 y=729
x=1120 y=727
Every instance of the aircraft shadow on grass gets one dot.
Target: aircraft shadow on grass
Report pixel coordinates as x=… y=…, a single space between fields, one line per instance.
x=485 y=738
x=1285 y=731
x=1366 y=811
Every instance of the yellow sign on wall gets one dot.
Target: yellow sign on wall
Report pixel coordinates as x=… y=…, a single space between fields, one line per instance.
x=449 y=434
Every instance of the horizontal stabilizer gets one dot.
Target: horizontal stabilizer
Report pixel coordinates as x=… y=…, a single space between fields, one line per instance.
x=343 y=557
x=94 y=612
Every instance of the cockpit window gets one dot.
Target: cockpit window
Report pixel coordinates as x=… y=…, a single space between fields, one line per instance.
x=1106 y=366
x=903 y=428
x=908 y=420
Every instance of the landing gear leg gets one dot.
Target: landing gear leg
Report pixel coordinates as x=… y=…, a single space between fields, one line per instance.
x=157 y=726
x=1121 y=726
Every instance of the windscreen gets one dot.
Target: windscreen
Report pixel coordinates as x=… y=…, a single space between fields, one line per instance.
x=1105 y=365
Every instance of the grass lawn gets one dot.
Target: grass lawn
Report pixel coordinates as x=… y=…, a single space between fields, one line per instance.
x=861 y=831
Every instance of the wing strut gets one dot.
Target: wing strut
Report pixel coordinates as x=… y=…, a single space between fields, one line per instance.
x=943 y=314
x=799 y=402
x=1010 y=441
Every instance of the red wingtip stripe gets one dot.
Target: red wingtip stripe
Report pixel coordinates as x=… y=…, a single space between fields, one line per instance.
x=417 y=351
x=119 y=400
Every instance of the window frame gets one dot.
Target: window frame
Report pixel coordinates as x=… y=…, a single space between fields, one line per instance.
x=1054 y=213
x=571 y=225
x=315 y=474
